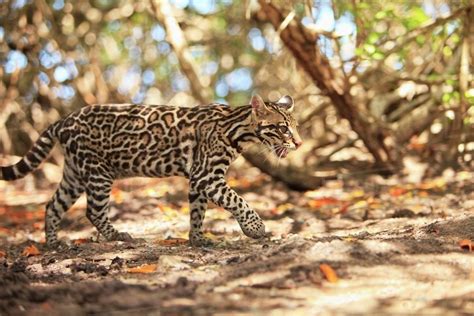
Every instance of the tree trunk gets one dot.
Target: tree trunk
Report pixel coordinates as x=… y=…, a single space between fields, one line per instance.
x=332 y=83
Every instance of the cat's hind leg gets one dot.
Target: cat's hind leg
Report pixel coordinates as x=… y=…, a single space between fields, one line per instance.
x=98 y=190
x=69 y=190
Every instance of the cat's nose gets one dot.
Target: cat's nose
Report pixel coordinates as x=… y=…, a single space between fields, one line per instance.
x=298 y=143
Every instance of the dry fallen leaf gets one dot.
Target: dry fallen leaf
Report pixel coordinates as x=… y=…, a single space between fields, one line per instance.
x=145 y=268
x=316 y=203
x=282 y=208
x=344 y=207
x=416 y=145
x=173 y=242
x=80 y=241
x=397 y=191
x=466 y=244
x=38 y=225
x=3 y=254
x=31 y=251
x=423 y=194
x=328 y=272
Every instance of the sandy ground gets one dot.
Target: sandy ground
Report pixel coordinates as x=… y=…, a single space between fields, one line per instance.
x=393 y=246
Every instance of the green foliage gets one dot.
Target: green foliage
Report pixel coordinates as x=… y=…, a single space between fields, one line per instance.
x=415 y=17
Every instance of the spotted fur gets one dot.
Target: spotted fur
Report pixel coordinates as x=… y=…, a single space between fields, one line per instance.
x=102 y=143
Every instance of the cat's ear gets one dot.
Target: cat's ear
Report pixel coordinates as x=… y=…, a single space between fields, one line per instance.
x=287 y=103
x=258 y=105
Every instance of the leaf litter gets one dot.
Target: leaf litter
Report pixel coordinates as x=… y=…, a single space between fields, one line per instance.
x=370 y=246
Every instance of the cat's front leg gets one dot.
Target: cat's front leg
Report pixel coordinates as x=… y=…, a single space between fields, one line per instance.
x=197 y=207
x=221 y=194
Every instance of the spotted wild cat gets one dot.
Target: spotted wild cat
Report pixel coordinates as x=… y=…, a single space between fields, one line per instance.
x=102 y=143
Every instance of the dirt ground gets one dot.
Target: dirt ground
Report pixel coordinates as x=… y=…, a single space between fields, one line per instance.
x=388 y=247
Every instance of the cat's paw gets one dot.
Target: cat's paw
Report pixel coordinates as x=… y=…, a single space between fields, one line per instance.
x=200 y=241
x=122 y=236
x=57 y=245
x=254 y=230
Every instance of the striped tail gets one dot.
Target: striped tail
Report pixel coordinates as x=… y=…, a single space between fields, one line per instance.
x=33 y=158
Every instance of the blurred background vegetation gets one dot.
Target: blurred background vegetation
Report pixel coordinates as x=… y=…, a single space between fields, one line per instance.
x=378 y=84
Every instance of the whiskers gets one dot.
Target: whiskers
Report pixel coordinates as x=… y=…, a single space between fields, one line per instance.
x=279 y=158
x=268 y=152
x=272 y=154
x=275 y=151
x=281 y=152
x=263 y=150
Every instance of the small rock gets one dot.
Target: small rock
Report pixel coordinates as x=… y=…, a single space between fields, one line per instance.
x=117 y=263
x=403 y=213
x=182 y=282
x=234 y=259
x=19 y=266
x=35 y=268
x=101 y=270
x=88 y=267
x=172 y=262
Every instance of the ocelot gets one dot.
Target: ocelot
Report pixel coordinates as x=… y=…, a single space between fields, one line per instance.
x=102 y=143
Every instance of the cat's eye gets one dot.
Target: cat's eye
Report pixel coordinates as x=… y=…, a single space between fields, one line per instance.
x=284 y=129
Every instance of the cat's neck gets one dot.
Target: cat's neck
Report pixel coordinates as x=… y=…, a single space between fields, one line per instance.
x=241 y=128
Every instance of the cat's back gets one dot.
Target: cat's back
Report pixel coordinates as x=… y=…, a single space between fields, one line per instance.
x=108 y=119
x=115 y=116
x=124 y=110
x=98 y=112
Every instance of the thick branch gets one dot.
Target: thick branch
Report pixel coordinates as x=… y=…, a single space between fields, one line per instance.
x=332 y=82
x=175 y=37
x=417 y=121
x=295 y=178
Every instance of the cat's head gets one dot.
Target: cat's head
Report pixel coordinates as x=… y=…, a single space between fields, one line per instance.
x=274 y=124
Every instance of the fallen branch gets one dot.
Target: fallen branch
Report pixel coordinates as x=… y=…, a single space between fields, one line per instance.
x=347 y=143
x=295 y=178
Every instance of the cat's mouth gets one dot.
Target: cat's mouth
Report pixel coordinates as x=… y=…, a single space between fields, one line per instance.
x=281 y=152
